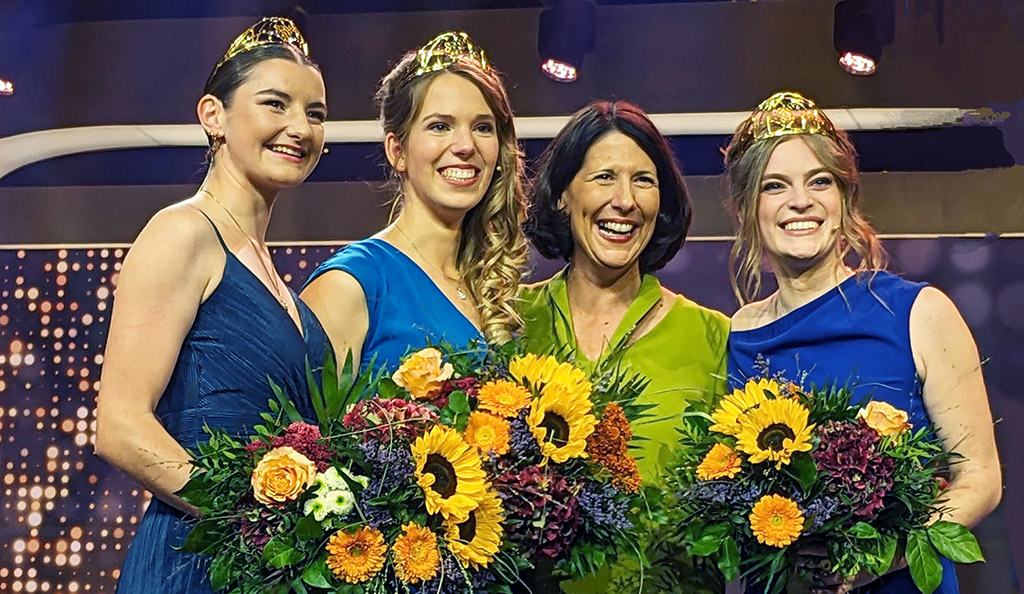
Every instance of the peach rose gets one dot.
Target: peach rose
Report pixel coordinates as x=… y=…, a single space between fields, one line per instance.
x=884 y=418
x=281 y=476
x=423 y=373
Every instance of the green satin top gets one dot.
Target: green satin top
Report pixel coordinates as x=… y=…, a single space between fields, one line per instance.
x=683 y=357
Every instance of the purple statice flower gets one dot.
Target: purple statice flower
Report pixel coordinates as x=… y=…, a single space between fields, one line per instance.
x=451 y=578
x=481 y=578
x=522 y=443
x=722 y=493
x=390 y=465
x=604 y=506
x=819 y=511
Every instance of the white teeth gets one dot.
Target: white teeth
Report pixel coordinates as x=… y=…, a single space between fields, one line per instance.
x=617 y=227
x=458 y=173
x=287 y=151
x=801 y=225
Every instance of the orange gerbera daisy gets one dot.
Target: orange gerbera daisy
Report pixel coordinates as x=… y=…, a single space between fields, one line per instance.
x=776 y=521
x=487 y=433
x=358 y=556
x=503 y=398
x=415 y=554
x=721 y=461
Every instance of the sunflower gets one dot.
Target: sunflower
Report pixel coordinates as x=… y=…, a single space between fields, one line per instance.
x=415 y=554
x=561 y=421
x=775 y=431
x=537 y=372
x=356 y=557
x=503 y=398
x=487 y=433
x=776 y=521
x=722 y=461
x=476 y=541
x=740 y=402
x=449 y=472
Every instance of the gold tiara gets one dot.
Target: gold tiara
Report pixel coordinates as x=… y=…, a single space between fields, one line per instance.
x=782 y=114
x=447 y=49
x=268 y=31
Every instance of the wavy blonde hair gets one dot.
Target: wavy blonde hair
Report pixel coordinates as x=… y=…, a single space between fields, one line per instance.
x=745 y=171
x=492 y=250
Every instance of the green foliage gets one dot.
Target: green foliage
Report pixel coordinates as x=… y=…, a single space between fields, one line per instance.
x=955 y=542
x=923 y=561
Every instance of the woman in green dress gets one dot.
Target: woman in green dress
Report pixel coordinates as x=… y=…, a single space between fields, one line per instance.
x=609 y=199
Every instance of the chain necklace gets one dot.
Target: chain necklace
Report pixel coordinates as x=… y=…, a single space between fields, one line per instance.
x=457 y=280
x=255 y=246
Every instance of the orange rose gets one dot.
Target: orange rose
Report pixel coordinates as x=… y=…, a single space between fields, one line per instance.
x=423 y=373
x=884 y=418
x=281 y=476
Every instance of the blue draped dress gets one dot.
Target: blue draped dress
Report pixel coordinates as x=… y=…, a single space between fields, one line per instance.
x=856 y=335
x=407 y=311
x=241 y=337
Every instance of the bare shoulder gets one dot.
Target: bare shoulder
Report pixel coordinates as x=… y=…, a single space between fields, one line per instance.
x=750 y=316
x=932 y=305
x=334 y=286
x=180 y=229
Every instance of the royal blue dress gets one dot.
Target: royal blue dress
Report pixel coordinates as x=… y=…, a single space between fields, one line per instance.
x=241 y=336
x=407 y=311
x=856 y=335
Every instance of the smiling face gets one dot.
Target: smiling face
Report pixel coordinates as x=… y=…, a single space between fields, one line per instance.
x=448 y=157
x=612 y=203
x=799 y=207
x=273 y=124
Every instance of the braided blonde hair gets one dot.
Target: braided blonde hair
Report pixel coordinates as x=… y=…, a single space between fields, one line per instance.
x=492 y=251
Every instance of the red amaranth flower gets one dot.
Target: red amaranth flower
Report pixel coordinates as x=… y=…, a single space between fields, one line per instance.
x=386 y=419
x=307 y=440
x=534 y=495
x=469 y=385
x=849 y=457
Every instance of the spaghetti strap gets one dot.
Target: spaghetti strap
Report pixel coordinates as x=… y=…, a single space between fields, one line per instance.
x=215 y=229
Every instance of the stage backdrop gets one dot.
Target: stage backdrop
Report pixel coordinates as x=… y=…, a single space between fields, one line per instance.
x=66 y=517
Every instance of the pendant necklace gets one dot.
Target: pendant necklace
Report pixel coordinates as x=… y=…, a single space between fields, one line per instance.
x=255 y=246
x=458 y=281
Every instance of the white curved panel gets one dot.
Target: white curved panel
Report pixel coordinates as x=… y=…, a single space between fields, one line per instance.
x=24 y=149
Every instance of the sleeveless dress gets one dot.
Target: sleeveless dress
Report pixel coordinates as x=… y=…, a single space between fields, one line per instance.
x=856 y=335
x=240 y=337
x=406 y=309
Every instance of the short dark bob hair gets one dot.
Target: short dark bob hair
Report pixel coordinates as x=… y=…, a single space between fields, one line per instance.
x=547 y=225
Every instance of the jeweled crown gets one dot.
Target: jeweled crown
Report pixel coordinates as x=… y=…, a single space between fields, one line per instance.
x=268 y=31
x=446 y=49
x=783 y=114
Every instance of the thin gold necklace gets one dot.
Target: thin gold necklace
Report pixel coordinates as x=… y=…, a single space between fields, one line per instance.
x=255 y=246
x=457 y=280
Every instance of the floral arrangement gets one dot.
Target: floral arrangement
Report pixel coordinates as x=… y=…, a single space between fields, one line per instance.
x=462 y=472
x=772 y=467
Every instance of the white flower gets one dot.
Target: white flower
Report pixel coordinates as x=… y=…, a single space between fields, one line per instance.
x=333 y=495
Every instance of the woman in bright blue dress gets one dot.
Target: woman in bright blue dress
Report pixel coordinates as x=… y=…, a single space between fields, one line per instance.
x=201 y=318
x=796 y=191
x=448 y=267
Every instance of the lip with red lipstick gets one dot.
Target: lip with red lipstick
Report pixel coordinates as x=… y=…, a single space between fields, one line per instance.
x=459 y=175
x=617 y=230
x=288 y=152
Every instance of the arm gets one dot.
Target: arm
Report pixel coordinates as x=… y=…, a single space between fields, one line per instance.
x=165 y=276
x=337 y=299
x=956 y=400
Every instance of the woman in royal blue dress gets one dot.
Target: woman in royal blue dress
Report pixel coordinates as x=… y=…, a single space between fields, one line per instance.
x=448 y=267
x=795 y=188
x=202 y=318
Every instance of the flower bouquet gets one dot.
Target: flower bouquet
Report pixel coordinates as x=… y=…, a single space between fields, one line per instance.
x=459 y=473
x=772 y=467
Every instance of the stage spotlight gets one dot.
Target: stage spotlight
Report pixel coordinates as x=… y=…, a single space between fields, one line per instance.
x=6 y=87
x=567 y=32
x=860 y=28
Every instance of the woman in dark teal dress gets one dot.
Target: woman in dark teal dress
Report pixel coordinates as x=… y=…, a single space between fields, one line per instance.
x=796 y=191
x=201 y=318
x=448 y=266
